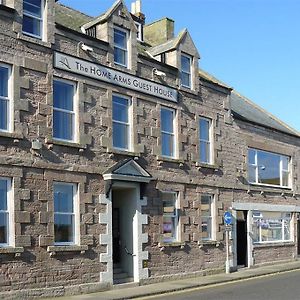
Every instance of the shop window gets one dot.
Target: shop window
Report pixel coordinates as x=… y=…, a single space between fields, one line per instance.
x=5 y=212
x=168 y=132
x=65 y=214
x=5 y=98
x=270 y=227
x=268 y=168
x=121 y=122
x=207 y=217
x=205 y=144
x=186 y=66
x=63 y=110
x=170 y=217
x=121 y=47
x=33 y=18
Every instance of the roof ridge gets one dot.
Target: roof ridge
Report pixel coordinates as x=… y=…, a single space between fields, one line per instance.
x=267 y=112
x=71 y=8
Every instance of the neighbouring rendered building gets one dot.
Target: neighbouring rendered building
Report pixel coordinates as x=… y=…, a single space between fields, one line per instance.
x=119 y=157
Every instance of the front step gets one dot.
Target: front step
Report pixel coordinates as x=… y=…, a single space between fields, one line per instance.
x=121 y=275
x=119 y=286
x=126 y=281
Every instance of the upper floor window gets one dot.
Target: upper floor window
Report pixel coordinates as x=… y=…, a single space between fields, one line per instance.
x=5 y=212
x=120 y=47
x=270 y=227
x=63 y=110
x=186 y=63
x=207 y=216
x=121 y=122
x=5 y=101
x=139 y=27
x=65 y=213
x=33 y=18
x=170 y=216
x=205 y=144
x=268 y=168
x=168 y=132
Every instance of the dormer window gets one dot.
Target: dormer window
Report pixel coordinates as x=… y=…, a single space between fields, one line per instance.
x=139 y=33
x=186 y=63
x=120 y=47
x=33 y=18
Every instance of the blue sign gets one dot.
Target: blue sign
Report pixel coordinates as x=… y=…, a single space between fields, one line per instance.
x=227 y=218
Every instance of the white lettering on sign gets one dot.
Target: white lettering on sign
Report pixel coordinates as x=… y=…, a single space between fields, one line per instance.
x=82 y=67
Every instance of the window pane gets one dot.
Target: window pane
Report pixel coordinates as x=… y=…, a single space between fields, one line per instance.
x=206 y=228
x=251 y=156
x=3 y=227
x=204 y=130
x=63 y=228
x=252 y=174
x=3 y=114
x=185 y=64
x=120 y=56
x=167 y=144
x=32 y=25
x=63 y=198
x=206 y=205
x=268 y=168
x=204 y=152
x=285 y=162
x=120 y=109
x=285 y=178
x=3 y=194
x=169 y=217
x=120 y=38
x=120 y=135
x=287 y=233
x=185 y=79
x=33 y=7
x=63 y=94
x=167 y=118
x=63 y=125
x=4 y=74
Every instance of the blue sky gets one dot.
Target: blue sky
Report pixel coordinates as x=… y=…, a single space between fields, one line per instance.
x=252 y=45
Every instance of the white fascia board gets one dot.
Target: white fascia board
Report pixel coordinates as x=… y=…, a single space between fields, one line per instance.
x=126 y=178
x=265 y=207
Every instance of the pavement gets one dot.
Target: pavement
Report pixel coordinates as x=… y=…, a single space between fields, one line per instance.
x=130 y=291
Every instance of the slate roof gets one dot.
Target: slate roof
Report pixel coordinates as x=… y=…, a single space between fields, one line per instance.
x=242 y=108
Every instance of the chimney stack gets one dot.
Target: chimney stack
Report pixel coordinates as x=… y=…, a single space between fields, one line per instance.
x=136 y=10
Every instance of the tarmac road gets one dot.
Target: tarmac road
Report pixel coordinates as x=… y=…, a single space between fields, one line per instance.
x=284 y=286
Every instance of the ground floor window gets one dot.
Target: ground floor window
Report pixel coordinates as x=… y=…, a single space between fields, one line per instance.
x=5 y=213
x=170 y=217
x=271 y=227
x=207 y=217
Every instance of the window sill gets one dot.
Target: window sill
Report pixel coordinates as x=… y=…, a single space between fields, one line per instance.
x=27 y=38
x=12 y=135
x=164 y=245
x=274 y=244
x=7 y=8
x=122 y=152
x=188 y=90
x=212 y=243
x=67 y=248
x=12 y=250
x=207 y=166
x=162 y=158
x=260 y=185
x=52 y=142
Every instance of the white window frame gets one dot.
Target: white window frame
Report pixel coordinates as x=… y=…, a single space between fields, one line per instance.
x=10 y=212
x=185 y=72
x=127 y=124
x=281 y=170
x=208 y=142
x=175 y=216
x=139 y=29
x=282 y=228
x=75 y=213
x=9 y=97
x=40 y=19
x=126 y=50
x=212 y=217
x=173 y=134
x=74 y=113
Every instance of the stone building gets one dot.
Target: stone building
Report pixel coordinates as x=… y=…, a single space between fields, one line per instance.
x=119 y=157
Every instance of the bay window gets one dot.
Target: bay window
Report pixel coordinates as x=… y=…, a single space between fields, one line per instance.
x=121 y=122
x=5 y=212
x=63 y=110
x=268 y=168
x=120 y=47
x=33 y=18
x=170 y=217
x=5 y=98
x=271 y=227
x=65 y=213
x=168 y=132
x=205 y=144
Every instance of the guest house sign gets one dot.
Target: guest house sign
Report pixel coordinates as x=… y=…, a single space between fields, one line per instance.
x=99 y=72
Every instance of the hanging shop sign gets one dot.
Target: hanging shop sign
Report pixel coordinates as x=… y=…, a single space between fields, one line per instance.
x=99 y=72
